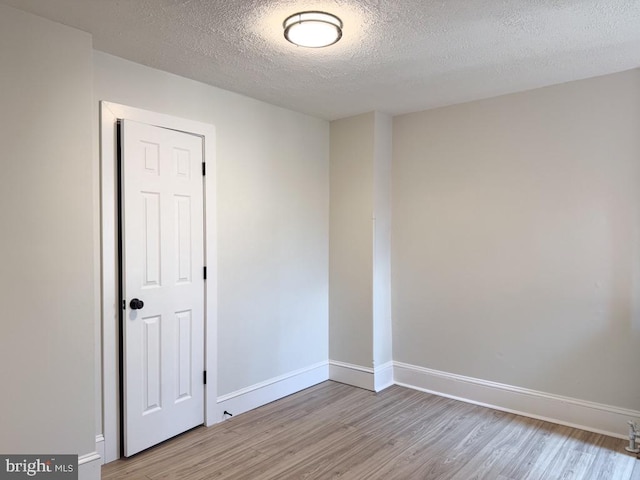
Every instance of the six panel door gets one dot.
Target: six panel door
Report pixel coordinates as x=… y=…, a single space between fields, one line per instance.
x=163 y=285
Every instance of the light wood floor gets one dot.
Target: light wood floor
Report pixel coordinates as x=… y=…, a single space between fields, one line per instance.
x=337 y=431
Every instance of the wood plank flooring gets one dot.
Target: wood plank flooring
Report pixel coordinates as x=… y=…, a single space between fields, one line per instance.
x=336 y=431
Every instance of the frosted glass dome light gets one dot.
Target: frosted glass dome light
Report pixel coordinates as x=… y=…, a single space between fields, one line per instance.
x=312 y=29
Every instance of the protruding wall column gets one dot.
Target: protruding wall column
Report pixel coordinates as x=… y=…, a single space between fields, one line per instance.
x=359 y=251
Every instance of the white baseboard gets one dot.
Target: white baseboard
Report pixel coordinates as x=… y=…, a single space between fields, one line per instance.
x=89 y=466
x=255 y=396
x=350 y=374
x=374 y=379
x=585 y=415
x=100 y=447
x=383 y=376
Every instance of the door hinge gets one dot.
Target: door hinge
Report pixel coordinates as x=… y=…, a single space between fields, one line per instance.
x=204 y=377
x=204 y=169
x=205 y=272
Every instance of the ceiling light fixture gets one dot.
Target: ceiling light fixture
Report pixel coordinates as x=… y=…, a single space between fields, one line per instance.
x=313 y=29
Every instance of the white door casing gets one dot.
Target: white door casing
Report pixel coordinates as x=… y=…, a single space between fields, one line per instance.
x=162 y=264
x=108 y=408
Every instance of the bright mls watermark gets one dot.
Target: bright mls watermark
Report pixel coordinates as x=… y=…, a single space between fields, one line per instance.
x=50 y=467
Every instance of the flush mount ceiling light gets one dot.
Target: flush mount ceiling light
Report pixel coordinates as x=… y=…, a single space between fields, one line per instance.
x=312 y=29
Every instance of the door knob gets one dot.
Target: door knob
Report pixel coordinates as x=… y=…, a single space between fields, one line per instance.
x=136 y=304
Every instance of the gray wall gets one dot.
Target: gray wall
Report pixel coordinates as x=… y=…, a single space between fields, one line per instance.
x=47 y=286
x=351 y=241
x=516 y=239
x=360 y=251
x=382 y=328
x=273 y=218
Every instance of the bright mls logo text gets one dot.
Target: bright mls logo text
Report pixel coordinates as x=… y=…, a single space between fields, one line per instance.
x=39 y=466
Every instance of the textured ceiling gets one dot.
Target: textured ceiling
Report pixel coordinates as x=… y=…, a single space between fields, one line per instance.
x=395 y=56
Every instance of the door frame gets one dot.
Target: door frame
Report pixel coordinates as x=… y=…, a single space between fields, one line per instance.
x=110 y=113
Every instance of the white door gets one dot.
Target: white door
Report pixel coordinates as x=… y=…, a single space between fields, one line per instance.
x=163 y=283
